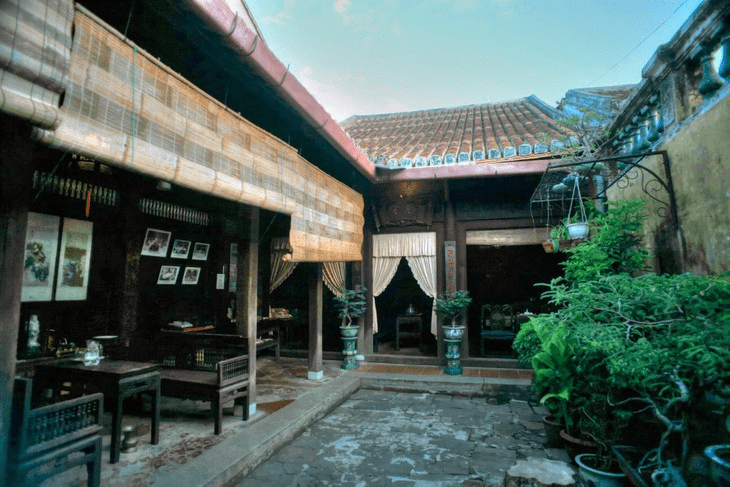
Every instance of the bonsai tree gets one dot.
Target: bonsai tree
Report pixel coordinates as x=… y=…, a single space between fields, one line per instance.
x=451 y=304
x=352 y=304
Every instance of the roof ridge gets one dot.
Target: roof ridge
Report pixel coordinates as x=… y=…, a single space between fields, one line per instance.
x=456 y=107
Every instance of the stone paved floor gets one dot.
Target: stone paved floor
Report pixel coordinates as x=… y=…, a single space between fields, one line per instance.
x=386 y=438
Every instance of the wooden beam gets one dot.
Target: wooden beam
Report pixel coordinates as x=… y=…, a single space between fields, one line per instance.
x=511 y=236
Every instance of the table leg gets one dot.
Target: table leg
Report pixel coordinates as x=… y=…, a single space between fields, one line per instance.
x=155 y=433
x=116 y=443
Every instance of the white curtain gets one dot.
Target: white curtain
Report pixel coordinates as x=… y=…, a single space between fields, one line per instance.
x=424 y=270
x=333 y=275
x=280 y=269
x=420 y=251
x=383 y=271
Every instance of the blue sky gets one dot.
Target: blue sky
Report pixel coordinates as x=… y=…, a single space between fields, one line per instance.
x=383 y=56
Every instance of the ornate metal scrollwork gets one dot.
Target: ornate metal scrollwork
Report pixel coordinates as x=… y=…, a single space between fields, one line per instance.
x=651 y=186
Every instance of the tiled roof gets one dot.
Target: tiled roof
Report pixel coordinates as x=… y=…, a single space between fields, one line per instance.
x=606 y=100
x=467 y=134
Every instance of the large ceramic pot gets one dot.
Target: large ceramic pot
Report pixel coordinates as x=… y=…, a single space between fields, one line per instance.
x=453 y=332
x=598 y=478
x=719 y=456
x=349 y=340
x=452 y=340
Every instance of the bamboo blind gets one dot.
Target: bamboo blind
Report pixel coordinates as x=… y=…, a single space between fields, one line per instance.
x=126 y=108
x=35 y=47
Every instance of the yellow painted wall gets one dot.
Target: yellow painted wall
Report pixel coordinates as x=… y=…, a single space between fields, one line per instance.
x=700 y=164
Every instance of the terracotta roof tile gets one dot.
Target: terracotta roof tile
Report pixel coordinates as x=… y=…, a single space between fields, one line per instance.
x=486 y=132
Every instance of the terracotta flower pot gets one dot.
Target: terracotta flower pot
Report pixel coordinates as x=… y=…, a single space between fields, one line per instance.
x=577 y=446
x=552 y=431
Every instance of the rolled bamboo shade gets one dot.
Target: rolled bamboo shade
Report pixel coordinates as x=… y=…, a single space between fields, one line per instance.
x=35 y=51
x=126 y=108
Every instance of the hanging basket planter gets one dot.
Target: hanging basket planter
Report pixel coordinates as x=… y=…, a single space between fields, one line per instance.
x=578 y=230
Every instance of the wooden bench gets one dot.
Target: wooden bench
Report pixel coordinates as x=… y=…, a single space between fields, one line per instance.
x=54 y=435
x=205 y=366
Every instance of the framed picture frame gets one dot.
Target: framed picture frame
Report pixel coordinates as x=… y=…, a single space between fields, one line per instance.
x=180 y=249
x=200 y=251
x=72 y=280
x=156 y=242
x=191 y=275
x=168 y=274
x=41 y=248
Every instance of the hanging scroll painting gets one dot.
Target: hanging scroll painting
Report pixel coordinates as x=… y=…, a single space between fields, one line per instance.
x=41 y=247
x=72 y=281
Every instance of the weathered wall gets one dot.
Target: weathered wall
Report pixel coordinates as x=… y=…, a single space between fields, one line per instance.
x=699 y=155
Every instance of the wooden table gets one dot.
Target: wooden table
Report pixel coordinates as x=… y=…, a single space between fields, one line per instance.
x=416 y=324
x=117 y=380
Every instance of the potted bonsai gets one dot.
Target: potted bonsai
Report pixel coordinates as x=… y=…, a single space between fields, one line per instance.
x=450 y=306
x=351 y=304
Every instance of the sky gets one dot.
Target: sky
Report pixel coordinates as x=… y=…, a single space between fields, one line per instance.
x=359 y=57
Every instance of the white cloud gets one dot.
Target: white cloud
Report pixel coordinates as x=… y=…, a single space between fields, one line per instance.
x=280 y=18
x=342 y=7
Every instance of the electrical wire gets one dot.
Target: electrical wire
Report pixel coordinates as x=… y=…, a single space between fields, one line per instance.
x=639 y=44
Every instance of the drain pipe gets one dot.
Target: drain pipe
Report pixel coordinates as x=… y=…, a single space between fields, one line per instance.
x=600 y=190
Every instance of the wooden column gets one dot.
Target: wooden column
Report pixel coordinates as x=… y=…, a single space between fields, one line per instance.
x=247 y=293
x=316 y=298
x=133 y=235
x=16 y=169
x=366 y=271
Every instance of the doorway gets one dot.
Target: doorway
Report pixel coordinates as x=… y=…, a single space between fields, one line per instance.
x=404 y=297
x=507 y=275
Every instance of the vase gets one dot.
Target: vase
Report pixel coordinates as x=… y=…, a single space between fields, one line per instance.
x=452 y=340
x=130 y=439
x=598 y=478
x=349 y=350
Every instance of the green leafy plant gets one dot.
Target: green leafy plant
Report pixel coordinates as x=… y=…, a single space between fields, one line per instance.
x=615 y=244
x=351 y=304
x=452 y=304
x=623 y=348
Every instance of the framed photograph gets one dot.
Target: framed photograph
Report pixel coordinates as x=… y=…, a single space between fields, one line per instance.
x=168 y=274
x=191 y=275
x=156 y=243
x=200 y=251
x=180 y=249
x=41 y=247
x=72 y=281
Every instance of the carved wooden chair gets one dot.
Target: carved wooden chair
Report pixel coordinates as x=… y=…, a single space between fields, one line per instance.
x=497 y=323
x=53 y=435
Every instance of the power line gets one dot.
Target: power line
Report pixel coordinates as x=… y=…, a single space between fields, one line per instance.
x=639 y=44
